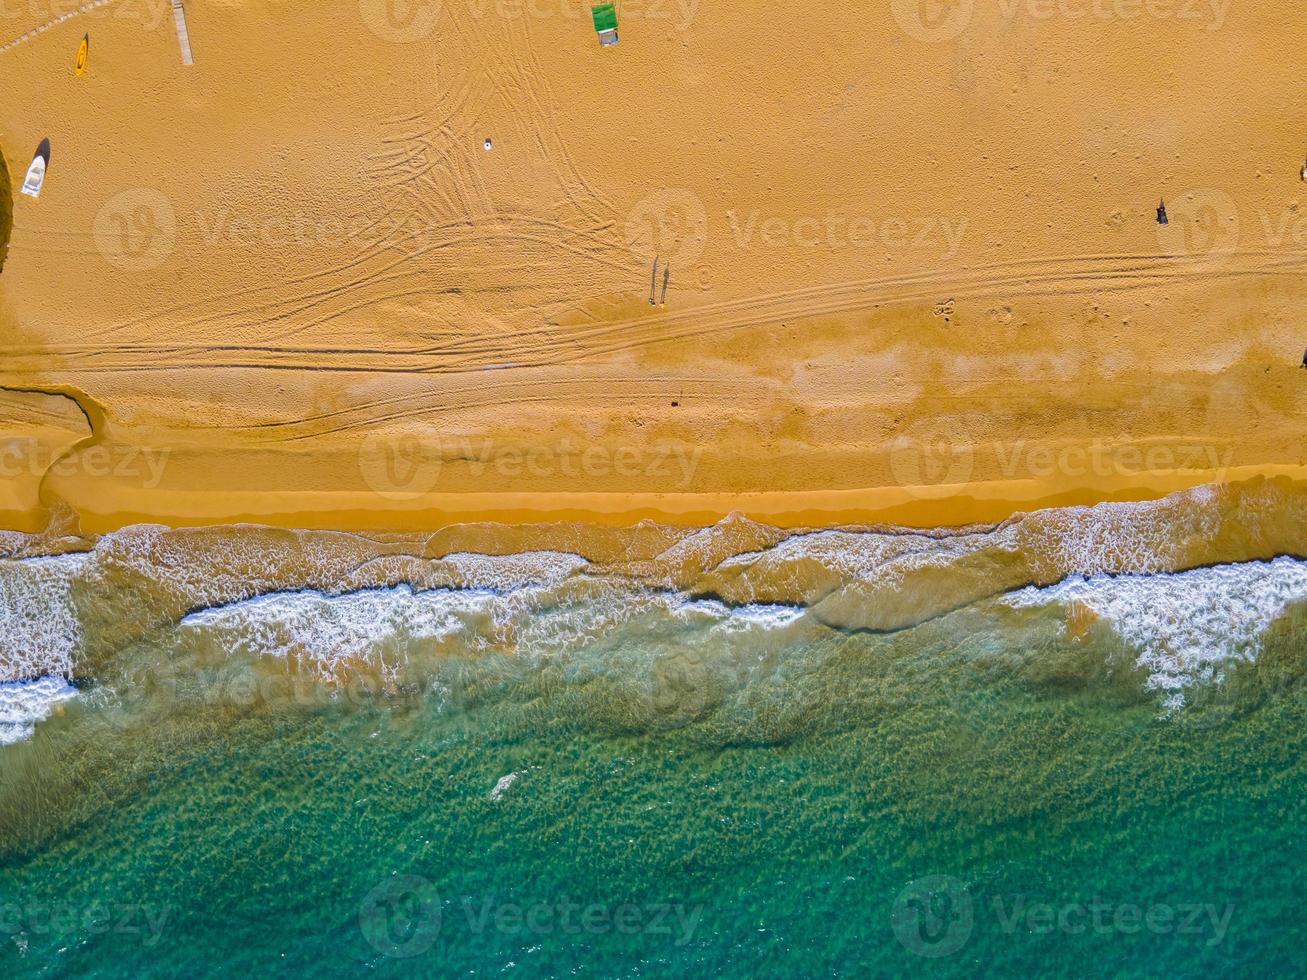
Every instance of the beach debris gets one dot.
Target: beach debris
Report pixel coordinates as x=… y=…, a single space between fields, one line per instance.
x=667 y=276
x=605 y=20
x=489 y=144
x=653 y=282
x=1304 y=358
x=35 y=178
x=502 y=786
x=1161 y=213
x=183 y=38
x=83 y=51
x=1304 y=171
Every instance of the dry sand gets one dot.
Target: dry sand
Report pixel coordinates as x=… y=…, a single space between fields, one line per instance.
x=916 y=274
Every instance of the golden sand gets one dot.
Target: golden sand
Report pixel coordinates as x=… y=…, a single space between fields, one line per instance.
x=915 y=270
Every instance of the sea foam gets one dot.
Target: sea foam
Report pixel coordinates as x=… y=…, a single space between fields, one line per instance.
x=39 y=629
x=1187 y=625
x=25 y=703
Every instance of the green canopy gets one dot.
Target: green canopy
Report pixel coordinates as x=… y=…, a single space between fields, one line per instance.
x=605 y=16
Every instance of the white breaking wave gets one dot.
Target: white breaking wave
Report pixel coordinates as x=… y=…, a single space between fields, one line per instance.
x=330 y=631
x=39 y=630
x=739 y=618
x=377 y=626
x=507 y=573
x=1187 y=625
x=25 y=703
x=1140 y=536
x=1137 y=536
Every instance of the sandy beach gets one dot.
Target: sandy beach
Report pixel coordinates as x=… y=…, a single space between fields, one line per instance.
x=378 y=266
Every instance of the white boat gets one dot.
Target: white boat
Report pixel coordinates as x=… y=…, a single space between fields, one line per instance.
x=36 y=170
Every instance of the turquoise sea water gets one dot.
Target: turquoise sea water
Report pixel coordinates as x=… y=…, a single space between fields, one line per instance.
x=619 y=781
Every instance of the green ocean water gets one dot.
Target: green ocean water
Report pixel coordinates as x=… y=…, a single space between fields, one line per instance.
x=981 y=794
